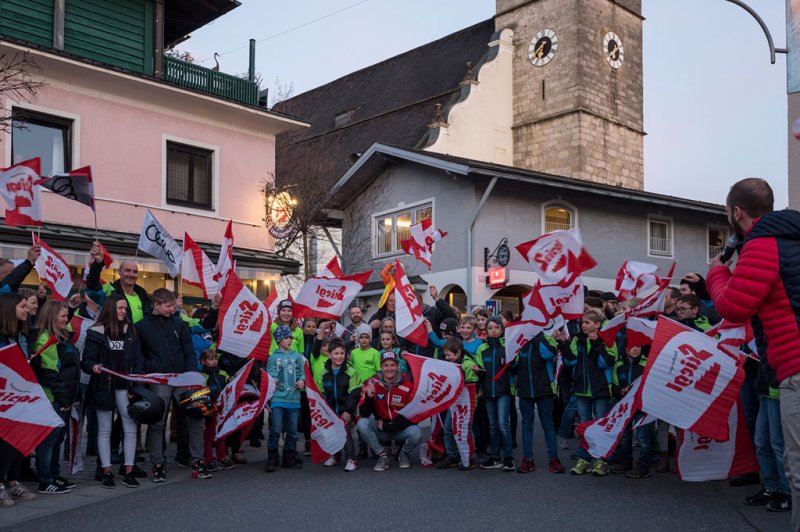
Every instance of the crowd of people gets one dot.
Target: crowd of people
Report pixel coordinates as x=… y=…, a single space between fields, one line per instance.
x=363 y=377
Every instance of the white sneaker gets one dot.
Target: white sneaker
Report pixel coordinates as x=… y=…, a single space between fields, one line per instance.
x=330 y=462
x=18 y=491
x=5 y=497
x=351 y=465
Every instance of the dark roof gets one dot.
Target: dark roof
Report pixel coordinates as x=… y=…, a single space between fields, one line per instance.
x=390 y=102
x=182 y=17
x=378 y=156
x=80 y=239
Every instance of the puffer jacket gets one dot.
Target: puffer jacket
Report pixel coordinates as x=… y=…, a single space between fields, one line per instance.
x=123 y=355
x=57 y=368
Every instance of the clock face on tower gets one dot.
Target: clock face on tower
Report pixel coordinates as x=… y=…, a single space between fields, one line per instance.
x=612 y=49
x=543 y=47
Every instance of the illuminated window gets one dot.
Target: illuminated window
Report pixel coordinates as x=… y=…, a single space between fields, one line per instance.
x=558 y=217
x=393 y=227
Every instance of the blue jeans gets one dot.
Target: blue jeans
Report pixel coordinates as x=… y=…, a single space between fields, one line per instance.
x=499 y=411
x=49 y=451
x=570 y=410
x=527 y=407
x=283 y=420
x=589 y=409
x=750 y=405
x=368 y=431
x=769 y=445
x=643 y=434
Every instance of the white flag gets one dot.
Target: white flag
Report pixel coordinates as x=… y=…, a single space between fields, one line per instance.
x=156 y=241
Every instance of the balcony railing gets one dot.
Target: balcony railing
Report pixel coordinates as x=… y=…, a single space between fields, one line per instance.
x=198 y=78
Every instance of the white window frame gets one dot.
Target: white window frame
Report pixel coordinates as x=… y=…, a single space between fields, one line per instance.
x=400 y=208
x=720 y=227
x=559 y=203
x=75 y=134
x=670 y=224
x=215 y=156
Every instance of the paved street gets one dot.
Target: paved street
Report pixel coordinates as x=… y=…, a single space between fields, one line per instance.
x=246 y=498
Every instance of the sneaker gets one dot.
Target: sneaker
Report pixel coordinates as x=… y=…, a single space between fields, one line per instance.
x=780 y=502
x=129 y=480
x=200 y=470
x=351 y=465
x=137 y=471
x=64 y=483
x=562 y=443
x=472 y=465
x=448 y=463
x=405 y=462
x=273 y=461
x=527 y=466
x=383 y=463
x=330 y=462
x=239 y=458
x=226 y=463
x=213 y=466
x=108 y=481
x=600 y=468
x=159 y=473
x=555 y=466
x=638 y=472
x=508 y=464
x=759 y=499
x=18 y=491
x=491 y=463
x=581 y=467
x=52 y=489
x=5 y=497
x=621 y=468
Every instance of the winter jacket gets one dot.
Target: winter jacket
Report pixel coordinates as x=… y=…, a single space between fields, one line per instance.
x=123 y=355
x=435 y=315
x=470 y=346
x=317 y=364
x=491 y=356
x=310 y=345
x=626 y=370
x=216 y=379
x=534 y=368
x=366 y=362
x=342 y=389
x=591 y=363
x=11 y=282
x=166 y=345
x=765 y=286
x=298 y=344
x=287 y=368
x=470 y=369
x=700 y=323
x=93 y=283
x=388 y=399
x=57 y=369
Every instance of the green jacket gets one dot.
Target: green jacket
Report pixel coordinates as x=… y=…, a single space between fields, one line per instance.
x=318 y=368
x=367 y=362
x=298 y=342
x=57 y=369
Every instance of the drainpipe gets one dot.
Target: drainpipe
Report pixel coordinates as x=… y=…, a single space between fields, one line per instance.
x=485 y=197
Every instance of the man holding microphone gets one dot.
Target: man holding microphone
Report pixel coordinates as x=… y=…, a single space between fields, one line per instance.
x=765 y=286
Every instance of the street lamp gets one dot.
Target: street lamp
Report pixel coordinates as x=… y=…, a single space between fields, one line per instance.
x=770 y=43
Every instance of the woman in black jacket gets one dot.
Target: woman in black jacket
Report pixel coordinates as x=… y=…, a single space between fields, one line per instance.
x=112 y=343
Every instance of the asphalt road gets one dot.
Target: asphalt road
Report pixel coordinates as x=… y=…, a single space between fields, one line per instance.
x=246 y=498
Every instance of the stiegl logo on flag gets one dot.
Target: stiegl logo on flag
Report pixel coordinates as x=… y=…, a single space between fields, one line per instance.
x=249 y=317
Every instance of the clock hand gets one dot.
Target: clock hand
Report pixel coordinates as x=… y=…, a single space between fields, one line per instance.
x=538 y=52
x=612 y=52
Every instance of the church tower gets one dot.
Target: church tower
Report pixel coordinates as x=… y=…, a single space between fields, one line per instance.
x=578 y=91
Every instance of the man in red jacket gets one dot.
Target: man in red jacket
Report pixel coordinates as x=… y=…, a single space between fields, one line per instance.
x=765 y=286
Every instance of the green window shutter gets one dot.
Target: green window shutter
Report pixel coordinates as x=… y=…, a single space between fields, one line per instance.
x=114 y=32
x=28 y=20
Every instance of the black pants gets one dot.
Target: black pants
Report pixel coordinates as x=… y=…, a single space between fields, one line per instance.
x=480 y=426
x=10 y=462
x=305 y=417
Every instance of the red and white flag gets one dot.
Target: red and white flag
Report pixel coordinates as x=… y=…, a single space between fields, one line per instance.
x=601 y=436
x=225 y=262
x=635 y=278
x=244 y=322
x=640 y=331
x=54 y=271
x=435 y=443
x=437 y=384
x=409 y=323
x=244 y=413
x=689 y=381
x=188 y=379
x=75 y=185
x=80 y=326
x=19 y=187
x=517 y=334
x=332 y=270
x=643 y=329
x=557 y=256
x=703 y=458
x=107 y=261
x=197 y=269
x=327 y=298
x=26 y=415
x=564 y=298
x=230 y=395
x=328 y=431
x=461 y=412
x=423 y=237
x=732 y=334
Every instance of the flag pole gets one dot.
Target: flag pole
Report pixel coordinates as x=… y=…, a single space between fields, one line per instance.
x=95 y=223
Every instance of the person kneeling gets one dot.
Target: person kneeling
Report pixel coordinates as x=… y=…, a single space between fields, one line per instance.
x=384 y=395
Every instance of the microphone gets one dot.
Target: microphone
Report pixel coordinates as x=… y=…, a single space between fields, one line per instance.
x=730 y=248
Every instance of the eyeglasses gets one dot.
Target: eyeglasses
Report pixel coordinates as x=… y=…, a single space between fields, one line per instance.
x=683 y=309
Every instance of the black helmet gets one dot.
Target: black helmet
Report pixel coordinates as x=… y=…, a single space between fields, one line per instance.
x=197 y=403
x=146 y=407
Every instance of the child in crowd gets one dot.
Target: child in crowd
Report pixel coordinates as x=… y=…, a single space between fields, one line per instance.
x=389 y=342
x=627 y=369
x=342 y=389
x=365 y=359
x=216 y=379
x=591 y=363
x=536 y=390
x=286 y=318
x=286 y=366
x=481 y=315
x=497 y=388
x=453 y=350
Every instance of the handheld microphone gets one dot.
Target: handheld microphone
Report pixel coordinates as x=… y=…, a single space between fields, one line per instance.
x=730 y=248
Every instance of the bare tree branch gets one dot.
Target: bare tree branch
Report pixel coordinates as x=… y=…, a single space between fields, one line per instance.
x=17 y=83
